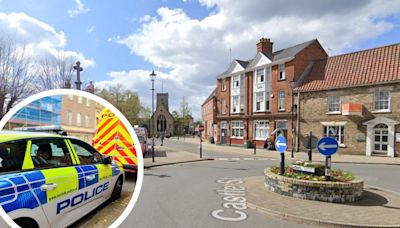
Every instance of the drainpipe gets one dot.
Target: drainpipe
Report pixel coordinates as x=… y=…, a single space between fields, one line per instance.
x=298 y=120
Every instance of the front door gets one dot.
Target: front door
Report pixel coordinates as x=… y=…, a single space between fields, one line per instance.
x=381 y=135
x=223 y=136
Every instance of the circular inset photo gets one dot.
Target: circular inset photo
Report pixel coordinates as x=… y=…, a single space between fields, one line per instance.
x=68 y=158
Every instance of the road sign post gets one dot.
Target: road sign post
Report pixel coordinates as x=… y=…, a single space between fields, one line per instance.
x=281 y=146
x=201 y=149
x=327 y=146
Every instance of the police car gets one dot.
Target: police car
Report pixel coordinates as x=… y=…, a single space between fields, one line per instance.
x=48 y=180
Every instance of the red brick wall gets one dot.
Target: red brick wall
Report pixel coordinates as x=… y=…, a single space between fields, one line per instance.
x=311 y=52
x=208 y=115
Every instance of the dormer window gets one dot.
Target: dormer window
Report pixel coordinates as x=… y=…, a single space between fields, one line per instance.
x=282 y=72
x=236 y=81
x=260 y=75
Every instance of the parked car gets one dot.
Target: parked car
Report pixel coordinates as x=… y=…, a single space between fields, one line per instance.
x=49 y=180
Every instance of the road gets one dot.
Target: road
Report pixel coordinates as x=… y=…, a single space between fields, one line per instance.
x=185 y=195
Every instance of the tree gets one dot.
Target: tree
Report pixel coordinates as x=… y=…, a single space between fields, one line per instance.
x=127 y=102
x=15 y=77
x=53 y=72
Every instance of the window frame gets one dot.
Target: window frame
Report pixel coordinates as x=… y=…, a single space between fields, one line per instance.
x=263 y=125
x=281 y=72
x=24 y=144
x=340 y=134
x=281 y=100
x=237 y=129
x=259 y=99
x=61 y=141
x=71 y=140
x=260 y=78
x=330 y=103
x=223 y=84
x=381 y=100
x=223 y=106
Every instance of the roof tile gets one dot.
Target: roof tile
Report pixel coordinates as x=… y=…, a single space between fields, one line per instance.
x=366 y=67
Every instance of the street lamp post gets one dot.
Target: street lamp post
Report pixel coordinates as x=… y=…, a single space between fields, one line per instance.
x=153 y=78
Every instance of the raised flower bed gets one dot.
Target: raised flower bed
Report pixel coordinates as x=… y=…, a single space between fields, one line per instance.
x=344 y=187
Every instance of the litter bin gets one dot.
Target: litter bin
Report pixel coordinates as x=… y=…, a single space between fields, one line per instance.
x=247 y=144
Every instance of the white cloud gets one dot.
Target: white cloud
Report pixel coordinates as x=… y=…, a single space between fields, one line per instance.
x=193 y=51
x=39 y=38
x=80 y=9
x=91 y=29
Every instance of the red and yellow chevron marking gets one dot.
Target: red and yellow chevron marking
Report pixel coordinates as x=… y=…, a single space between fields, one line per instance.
x=113 y=139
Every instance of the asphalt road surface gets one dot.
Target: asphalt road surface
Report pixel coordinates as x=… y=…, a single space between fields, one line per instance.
x=185 y=195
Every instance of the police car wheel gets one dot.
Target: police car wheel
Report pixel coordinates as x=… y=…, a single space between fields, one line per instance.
x=26 y=223
x=117 y=189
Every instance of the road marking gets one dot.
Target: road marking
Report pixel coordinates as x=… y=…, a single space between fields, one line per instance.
x=234 y=200
x=245 y=159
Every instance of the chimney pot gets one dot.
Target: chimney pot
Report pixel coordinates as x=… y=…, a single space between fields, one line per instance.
x=265 y=45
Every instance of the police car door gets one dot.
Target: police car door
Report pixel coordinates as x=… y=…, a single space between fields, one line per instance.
x=54 y=160
x=96 y=178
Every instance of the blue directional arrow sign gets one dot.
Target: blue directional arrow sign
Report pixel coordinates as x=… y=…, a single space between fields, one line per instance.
x=327 y=146
x=280 y=144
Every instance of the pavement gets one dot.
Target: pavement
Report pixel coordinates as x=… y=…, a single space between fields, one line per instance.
x=164 y=155
x=378 y=208
x=263 y=153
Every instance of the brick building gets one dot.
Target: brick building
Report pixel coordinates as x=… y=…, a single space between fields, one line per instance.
x=354 y=97
x=208 y=115
x=254 y=97
x=78 y=117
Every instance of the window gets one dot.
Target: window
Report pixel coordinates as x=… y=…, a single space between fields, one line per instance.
x=78 y=119
x=235 y=104
x=86 y=153
x=336 y=132
x=237 y=129
x=86 y=121
x=283 y=125
x=79 y=99
x=70 y=97
x=267 y=101
x=12 y=155
x=69 y=118
x=236 y=81
x=260 y=101
x=223 y=108
x=241 y=103
x=281 y=71
x=334 y=104
x=261 y=128
x=223 y=84
x=382 y=101
x=260 y=75
x=281 y=101
x=47 y=153
x=87 y=102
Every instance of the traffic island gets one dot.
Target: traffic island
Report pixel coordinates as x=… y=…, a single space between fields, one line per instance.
x=327 y=191
x=377 y=208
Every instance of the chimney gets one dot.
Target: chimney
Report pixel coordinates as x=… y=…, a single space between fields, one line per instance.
x=67 y=84
x=265 y=45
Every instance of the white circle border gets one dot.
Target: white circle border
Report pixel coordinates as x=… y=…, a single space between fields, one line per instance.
x=106 y=104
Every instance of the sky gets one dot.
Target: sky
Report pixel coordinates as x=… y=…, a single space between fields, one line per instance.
x=188 y=43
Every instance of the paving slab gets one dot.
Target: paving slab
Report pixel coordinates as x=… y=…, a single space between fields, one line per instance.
x=378 y=208
x=169 y=156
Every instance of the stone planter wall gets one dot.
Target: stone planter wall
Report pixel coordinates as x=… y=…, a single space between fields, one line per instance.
x=335 y=192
